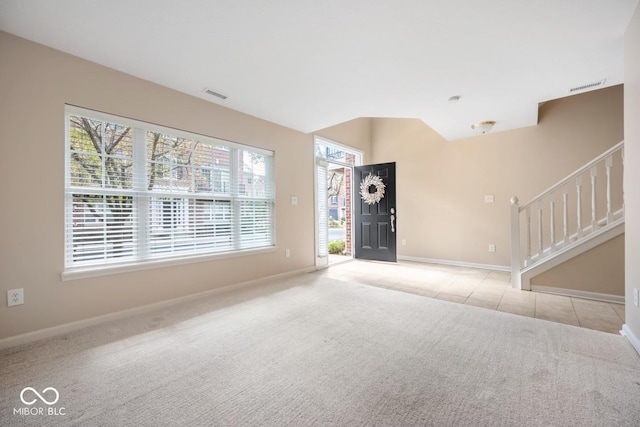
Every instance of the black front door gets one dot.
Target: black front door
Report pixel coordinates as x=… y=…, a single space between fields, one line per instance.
x=375 y=212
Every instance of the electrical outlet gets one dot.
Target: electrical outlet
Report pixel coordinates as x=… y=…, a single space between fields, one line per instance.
x=404 y=242
x=489 y=198
x=15 y=297
x=287 y=253
x=492 y=248
x=636 y=297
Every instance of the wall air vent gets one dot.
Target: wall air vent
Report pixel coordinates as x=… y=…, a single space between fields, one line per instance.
x=588 y=86
x=214 y=93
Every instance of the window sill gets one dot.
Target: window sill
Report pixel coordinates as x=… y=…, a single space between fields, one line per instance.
x=97 y=271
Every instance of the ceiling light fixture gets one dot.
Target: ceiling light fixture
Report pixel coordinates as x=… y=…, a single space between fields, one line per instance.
x=483 y=127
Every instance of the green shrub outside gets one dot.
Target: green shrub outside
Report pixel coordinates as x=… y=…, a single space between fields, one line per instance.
x=336 y=247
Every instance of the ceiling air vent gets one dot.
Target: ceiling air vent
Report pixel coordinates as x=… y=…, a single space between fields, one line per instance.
x=214 y=93
x=588 y=86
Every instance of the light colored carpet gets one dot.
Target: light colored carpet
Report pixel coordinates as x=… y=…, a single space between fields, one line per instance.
x=316 y=351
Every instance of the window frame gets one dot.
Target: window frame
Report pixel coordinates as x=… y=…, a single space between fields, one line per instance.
x=141 y=215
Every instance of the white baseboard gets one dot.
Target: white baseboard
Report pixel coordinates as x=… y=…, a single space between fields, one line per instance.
x=455 y=263
x=633 y=339
x=596 y=296
x=80 y=324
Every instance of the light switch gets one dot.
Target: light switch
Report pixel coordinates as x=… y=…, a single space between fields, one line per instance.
x=294 y=200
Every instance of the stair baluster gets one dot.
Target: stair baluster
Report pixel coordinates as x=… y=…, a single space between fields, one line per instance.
x=552 y=225
x=540 y=243
x=565 y=215
x=528 y=236
x=551 y=252
x=579 y=207
x=594 y=216
x=609 y=165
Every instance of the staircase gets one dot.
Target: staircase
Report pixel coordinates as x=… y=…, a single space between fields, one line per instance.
x=571 y=217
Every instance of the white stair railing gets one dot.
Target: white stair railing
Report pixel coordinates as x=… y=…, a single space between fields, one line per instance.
x=539 y=233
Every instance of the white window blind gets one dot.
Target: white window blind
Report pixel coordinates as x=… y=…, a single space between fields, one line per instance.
x=138 y=192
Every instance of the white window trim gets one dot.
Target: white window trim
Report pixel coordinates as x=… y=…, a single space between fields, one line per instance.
x=96 y=270
x=322 y=258
x=76 y=273
x=343 y=147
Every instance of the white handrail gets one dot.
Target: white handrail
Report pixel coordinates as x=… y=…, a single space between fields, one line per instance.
x=573 y=175
x=547 y=245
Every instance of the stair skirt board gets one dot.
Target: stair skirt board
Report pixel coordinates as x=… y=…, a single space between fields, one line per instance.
x=564 y=255
x=596 y=296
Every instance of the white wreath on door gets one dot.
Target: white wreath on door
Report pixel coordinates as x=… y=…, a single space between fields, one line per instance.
x=365 y=185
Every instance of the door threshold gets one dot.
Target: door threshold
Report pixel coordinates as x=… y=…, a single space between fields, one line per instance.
x=377 y=261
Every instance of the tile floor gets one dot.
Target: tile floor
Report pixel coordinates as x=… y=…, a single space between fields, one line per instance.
x=482 y=288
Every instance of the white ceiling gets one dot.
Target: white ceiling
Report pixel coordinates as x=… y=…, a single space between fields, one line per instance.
x=310 y=64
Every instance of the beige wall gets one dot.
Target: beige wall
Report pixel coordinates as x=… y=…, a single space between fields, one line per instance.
x=599 y=270
x=632 y=171
x=35 y=83
x=441 y=185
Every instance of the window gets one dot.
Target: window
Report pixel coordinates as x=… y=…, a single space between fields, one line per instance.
x=137 y=192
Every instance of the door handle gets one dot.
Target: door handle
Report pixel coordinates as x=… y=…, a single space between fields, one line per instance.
x=393 y=219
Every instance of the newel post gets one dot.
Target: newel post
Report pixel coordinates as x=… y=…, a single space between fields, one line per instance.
x=515 y=243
